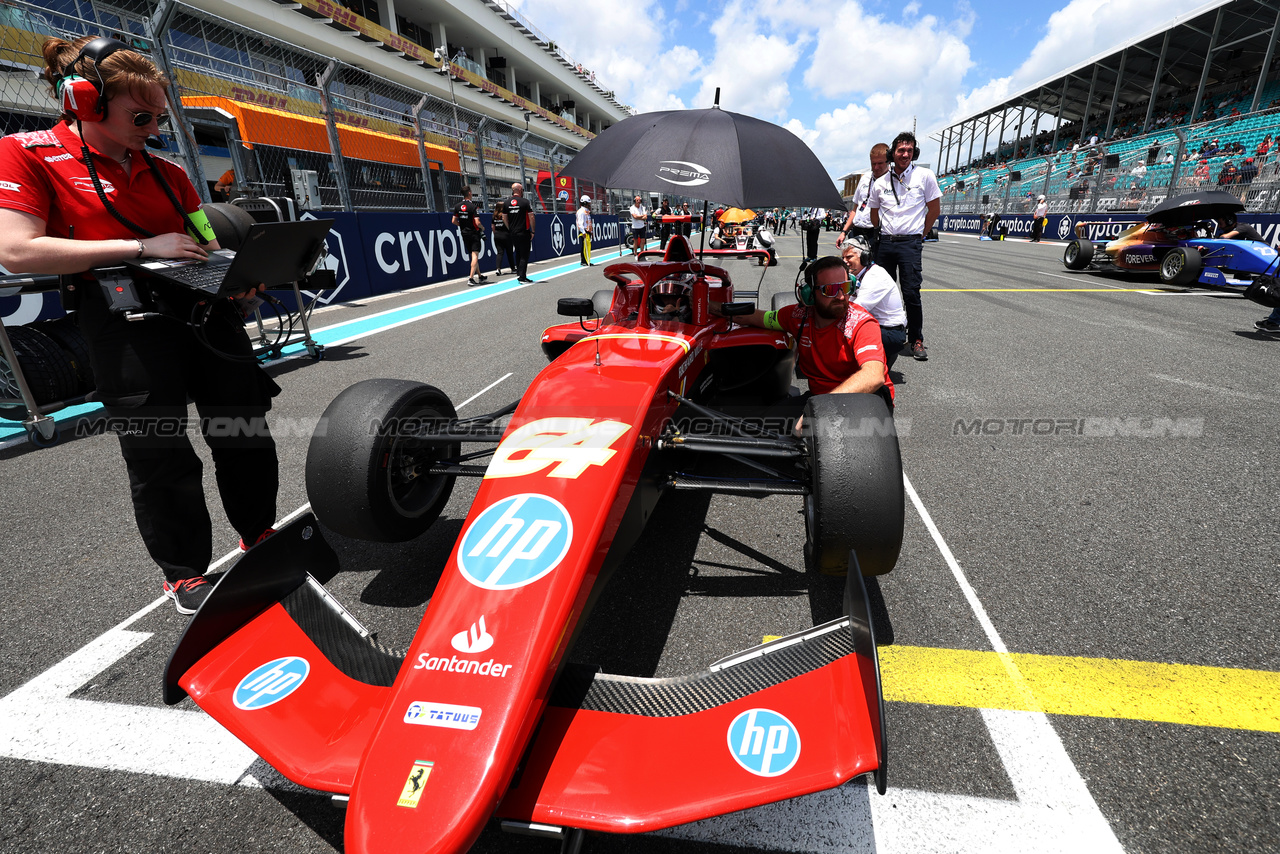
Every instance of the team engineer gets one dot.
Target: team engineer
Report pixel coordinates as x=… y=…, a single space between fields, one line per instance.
x=52 y=221
x=466 y=216
x=859 y=220
x=904 y=204
x=877 y=292
x=838 y=343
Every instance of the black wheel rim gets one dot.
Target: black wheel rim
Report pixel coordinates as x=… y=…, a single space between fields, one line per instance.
x=411 y=490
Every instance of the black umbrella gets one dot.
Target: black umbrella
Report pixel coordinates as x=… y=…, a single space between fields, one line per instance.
x=1193 y=207
x=708 y=154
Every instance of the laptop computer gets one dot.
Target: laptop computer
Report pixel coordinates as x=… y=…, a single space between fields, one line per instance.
x=274 y=254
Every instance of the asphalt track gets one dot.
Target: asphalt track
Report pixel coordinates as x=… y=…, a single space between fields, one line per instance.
x=1079 y=642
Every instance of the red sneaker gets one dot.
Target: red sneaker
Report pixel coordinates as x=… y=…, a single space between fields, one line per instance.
x=261 y=537
x=188 y=594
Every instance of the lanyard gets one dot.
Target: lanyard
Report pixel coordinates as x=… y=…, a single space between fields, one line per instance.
x=892 y=175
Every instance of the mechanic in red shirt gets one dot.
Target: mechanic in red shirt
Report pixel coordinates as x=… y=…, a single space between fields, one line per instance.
x=86 y=195
x=839 y=348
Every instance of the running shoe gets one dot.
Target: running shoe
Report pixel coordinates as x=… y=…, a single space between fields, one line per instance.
x=918 y=352
x=261 y=537
x=188 y=594
x=1267 y=326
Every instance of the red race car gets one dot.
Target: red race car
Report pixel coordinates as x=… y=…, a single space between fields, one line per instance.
x=483 y=715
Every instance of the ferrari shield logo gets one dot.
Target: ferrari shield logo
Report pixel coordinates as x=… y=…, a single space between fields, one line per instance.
x=412 y=792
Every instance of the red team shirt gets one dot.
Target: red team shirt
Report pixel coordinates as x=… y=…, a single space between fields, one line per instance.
x=43 y=173
x=830 y=355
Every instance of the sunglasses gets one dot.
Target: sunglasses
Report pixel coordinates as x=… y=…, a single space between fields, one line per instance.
x=141 y=120
x=834 y=289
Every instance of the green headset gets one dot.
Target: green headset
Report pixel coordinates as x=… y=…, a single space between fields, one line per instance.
x=804 y=291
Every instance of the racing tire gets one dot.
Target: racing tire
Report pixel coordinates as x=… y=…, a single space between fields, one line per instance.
x=1078 y=255
x=602 y=300
x=856 y=497
x=1181 y=266
x=65 y=331
x=47 y=369
x=363 y=468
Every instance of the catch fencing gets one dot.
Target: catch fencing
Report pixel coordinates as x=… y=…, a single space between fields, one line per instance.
x=287 y=121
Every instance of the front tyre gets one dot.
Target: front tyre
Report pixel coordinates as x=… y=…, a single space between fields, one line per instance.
x=1078 y=255
x=1181 y=266
x=367 y=465
x=856 y=497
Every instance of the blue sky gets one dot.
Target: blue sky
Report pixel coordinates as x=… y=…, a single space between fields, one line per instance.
x=841 y=74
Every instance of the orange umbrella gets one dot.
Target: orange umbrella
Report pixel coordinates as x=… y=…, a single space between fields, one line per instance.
x=738 y=215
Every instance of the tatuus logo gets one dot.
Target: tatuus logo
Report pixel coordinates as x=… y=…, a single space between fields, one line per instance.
x=473 y=641
x=683 y=173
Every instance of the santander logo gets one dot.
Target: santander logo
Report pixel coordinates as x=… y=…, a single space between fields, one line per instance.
x=474 y=640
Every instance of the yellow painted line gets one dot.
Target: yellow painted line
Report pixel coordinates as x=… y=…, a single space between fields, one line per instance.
x=1037 y=290
x=666 y=339
x=1088 y=687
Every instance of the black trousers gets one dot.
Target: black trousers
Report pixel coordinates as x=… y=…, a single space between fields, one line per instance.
x=1037 y=229
x=506 y=252
x=145 y=372
x=522 y=244
x=811 y=239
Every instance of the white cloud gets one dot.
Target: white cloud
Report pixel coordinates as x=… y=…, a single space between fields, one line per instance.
x=749 y=68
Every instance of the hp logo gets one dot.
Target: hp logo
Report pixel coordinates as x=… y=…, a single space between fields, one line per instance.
x=764 y=742
x=271 y=683
x=515 y=542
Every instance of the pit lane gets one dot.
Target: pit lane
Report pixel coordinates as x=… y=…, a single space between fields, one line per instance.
x=1138 y=529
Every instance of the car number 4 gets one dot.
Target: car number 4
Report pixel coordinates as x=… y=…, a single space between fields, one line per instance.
x=568 y=445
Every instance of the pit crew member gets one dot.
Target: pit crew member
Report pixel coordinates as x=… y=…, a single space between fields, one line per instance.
x=904 y=204
x=838 y=342
x=859 y=220
x=583 y=222
x=1230 y=229
x=466 y=216
x=517 y=213
x=85 y=194
x=639 y=222
x=877 y=292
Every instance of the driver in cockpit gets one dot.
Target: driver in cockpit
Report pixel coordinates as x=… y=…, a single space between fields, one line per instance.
x=669 y=301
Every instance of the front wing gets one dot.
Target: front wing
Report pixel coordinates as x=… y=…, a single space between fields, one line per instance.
x=612 y=753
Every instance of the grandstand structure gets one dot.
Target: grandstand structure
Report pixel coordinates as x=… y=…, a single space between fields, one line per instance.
x=383 y=108
x=1189 y=106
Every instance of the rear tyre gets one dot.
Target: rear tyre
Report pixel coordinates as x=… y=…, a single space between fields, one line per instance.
x=48 y=371
x=366 y=470
x=1181 y=266
x=856 y=498
x=1078 y=254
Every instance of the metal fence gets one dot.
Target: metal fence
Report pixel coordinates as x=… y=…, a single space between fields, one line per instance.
x=284 y=120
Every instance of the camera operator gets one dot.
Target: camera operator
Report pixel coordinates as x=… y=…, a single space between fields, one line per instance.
x=85 y=194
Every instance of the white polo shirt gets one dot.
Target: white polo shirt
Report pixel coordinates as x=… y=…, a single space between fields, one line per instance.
x=861 y=208
x=901 y=201
x=878 y=294
x=643 y=213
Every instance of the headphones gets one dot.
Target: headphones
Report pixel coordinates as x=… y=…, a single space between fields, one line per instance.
x=83 y=98
x=864 y=249
x=906 y=136
x=804 y=292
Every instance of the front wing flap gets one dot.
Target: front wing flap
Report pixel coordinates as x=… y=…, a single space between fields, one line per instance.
x=620 y=754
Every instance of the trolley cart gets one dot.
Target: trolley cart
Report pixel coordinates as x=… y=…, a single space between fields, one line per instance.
x=15 y=390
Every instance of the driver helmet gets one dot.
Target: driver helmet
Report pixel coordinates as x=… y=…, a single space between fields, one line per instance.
x=669 y=300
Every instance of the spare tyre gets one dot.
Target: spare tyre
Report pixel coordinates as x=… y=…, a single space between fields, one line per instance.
x=230 y=224
x=48 y=372
x=65 y=331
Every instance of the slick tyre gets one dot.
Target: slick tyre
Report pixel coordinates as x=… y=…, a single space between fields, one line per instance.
x=856 y=495
x=367 y=469
x=1078 y=255
x=65 y=331
x=1181 y=266
x=47 y=369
